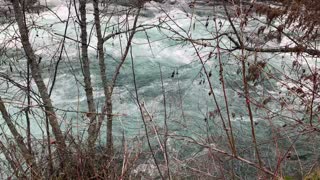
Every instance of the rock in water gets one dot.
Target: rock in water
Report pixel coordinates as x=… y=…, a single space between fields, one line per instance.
x=50 y=3
x=172 y=1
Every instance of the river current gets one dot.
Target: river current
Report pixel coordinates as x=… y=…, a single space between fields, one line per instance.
x=156 y=52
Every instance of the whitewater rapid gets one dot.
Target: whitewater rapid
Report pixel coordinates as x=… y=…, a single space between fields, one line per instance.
x=187 y=92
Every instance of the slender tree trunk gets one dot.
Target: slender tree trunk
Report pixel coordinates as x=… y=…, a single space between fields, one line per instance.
x=16 y=170
x=109 y=126
x=115 y=77
x=88 y=88
x=27 y=155
x=108 y=87
x=86 y=70
x=65 y=158
x=94 y=128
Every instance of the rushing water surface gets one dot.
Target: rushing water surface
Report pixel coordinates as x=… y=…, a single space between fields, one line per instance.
x=187 y=98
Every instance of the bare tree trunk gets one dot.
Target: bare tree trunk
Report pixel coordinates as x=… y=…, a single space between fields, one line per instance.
x=107 y=92
x=108 y=88
x=88 y=87
x=86 y=69
x=114 y=79
x=27 y=155
x=17 y=170
x=64 y=156
x=109 y=126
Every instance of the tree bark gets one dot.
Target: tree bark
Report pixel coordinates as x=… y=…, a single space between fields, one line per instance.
x=88 y=88
x=17 y=170
x=27 y=155
x=113 y=82
x=86 y=70
x=94 y=128
x=65 y=158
